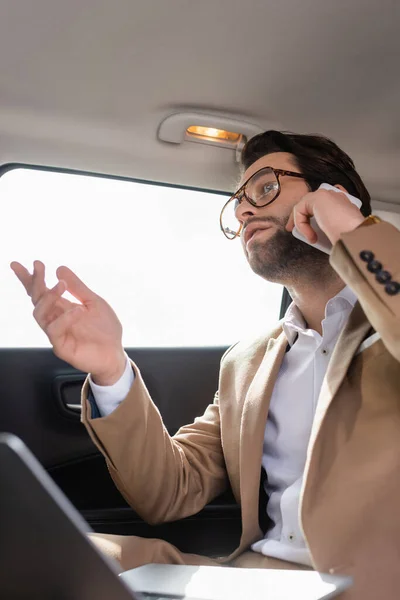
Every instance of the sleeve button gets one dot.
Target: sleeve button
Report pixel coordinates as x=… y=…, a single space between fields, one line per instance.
x=374 y=266
x=392 y=288
x=367 y=255
x=383 y=276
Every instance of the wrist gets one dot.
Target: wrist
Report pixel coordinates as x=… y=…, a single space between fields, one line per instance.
x=359 y=222
x=112 y=374
x=351 y=225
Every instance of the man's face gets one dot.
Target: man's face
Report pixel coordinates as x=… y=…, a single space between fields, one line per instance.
x=272 y=252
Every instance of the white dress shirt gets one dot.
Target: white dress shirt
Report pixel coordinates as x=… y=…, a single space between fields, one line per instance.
x=109 y=397
x=288 y=427
x=291 y=414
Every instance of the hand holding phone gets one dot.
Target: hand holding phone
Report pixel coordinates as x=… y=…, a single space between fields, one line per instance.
x=323 y=244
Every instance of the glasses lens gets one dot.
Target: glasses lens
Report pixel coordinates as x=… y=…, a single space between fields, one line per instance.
x=229 y=223
x=263 y=187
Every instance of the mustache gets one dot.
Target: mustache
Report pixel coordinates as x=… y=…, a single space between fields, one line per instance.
x=280 y=222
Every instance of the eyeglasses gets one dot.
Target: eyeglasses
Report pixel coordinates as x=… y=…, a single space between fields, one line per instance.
x=262 y=188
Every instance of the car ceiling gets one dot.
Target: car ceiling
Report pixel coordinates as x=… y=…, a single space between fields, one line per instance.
x=84 y=84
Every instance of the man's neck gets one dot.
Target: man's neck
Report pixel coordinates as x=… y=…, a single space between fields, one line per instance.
x=311 y=299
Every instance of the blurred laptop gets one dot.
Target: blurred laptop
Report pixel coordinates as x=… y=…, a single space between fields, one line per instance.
x=45 y=553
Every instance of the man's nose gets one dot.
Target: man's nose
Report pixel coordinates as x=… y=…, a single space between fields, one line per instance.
x=245 y=210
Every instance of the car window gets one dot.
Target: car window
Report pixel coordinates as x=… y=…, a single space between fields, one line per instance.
x=155 y=253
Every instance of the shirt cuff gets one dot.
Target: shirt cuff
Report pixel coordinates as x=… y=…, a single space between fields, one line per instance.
x=109 y=397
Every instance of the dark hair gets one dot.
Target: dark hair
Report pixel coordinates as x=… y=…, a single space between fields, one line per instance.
x=319 y=159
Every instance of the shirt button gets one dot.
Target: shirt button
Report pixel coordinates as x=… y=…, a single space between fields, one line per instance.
x=324 y=351
x=291 y=537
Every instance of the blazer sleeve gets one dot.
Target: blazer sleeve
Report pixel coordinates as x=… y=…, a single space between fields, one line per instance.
x=380 y=302
x=163 y=478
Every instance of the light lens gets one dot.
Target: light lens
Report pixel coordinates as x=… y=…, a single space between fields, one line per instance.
x=213 y=134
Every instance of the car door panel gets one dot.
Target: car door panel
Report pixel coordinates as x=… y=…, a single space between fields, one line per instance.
x=40 y=395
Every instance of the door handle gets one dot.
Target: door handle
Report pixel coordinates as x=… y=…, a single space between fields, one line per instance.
x=74 y=407
x=67 y=389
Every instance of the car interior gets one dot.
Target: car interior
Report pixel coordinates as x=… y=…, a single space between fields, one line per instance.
x=166 y=94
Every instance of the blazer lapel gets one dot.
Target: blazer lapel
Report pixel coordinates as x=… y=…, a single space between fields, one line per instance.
x=254 y=417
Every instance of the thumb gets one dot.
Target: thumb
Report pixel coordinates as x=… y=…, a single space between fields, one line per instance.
x=75 y=285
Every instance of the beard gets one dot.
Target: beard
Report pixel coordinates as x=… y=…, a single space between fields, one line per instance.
x=286 y=260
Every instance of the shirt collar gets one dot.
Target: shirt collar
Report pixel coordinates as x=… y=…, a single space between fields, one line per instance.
x=294 y=323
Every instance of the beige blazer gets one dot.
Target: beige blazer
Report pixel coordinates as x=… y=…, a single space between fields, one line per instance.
x=350 y=503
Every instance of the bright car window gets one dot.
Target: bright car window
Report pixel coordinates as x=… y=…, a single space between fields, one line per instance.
x=155 y=253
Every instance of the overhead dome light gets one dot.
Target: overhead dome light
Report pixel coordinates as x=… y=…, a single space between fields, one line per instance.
x=213 y=129
x=211 y=133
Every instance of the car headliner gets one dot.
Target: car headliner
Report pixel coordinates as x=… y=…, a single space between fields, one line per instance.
x=85 y=83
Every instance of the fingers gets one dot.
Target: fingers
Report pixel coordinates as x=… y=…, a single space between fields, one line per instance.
x=300 y=218
x=75 y=285
x=60 y=327
x=38 y=283
x=302 y=222
x=49 y=307
x=23 y=275
x=34 y=285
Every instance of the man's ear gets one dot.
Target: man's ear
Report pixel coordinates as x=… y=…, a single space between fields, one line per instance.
x=341 y=188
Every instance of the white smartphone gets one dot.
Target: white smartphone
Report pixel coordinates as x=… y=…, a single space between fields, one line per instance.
x=323 y=242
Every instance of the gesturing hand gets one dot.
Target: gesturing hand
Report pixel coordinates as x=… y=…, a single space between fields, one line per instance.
x=87 y=334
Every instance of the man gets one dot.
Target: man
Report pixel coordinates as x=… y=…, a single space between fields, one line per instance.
x=315 y=404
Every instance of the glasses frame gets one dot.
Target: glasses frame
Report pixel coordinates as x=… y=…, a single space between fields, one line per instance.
x=241 y=192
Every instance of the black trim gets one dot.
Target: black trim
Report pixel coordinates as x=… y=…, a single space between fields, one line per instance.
x=12 y=166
